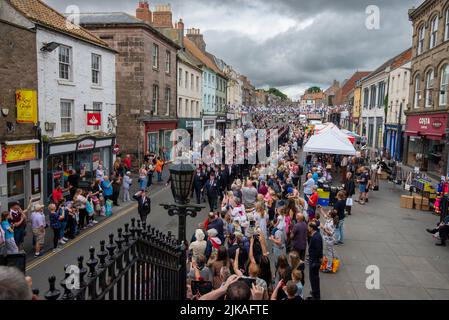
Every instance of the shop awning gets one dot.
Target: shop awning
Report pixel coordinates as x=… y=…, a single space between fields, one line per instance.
x=434 y=136
x=411 y=133
x=19 y=142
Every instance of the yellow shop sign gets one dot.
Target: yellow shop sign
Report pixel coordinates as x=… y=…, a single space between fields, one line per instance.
x=26 y=103
x=19 y=152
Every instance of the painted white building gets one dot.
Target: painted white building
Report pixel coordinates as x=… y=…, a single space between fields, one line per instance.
x=77 y=95
x=374 y=89
x=234 y=87
x=74 y=79
x=190 y=88
x=398 y=97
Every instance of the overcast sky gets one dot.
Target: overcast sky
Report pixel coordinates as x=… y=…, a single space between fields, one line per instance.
x=289 y=44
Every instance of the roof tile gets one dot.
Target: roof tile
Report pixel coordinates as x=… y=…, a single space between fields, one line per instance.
x=42 y=14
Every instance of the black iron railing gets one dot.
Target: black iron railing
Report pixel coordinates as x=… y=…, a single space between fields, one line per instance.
x=141 y=263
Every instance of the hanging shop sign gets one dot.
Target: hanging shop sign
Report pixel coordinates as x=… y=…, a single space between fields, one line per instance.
x=26 y=104
x=94 y=119
x=19 y=152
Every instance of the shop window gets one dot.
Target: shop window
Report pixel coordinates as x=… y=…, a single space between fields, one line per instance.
x=36 y=181
x=15 y=183
x=435 y=162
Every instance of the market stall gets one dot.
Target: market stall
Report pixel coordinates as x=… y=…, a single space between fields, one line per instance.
x=329 y=142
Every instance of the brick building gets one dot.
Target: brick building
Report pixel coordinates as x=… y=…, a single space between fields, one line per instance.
x=19 y=152
x=427 y=112
x=146 y=78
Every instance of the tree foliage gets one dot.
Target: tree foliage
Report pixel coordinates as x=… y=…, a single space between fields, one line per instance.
x=313 y=89
x=278 y=93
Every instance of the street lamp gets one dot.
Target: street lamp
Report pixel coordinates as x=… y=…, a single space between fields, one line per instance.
x=182 y=176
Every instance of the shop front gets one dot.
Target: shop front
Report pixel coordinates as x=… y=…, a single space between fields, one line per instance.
x=209 y=126
x=393 y=141
x=190 y=124
x=221 y=124
x=426 y=143
x=158 y=137
x=20 y=173
x=82 y=154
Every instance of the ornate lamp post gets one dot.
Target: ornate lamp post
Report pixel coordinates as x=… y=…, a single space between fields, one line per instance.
x=182 y=176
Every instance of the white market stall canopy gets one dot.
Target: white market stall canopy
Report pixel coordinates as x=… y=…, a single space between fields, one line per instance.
x=330 y=142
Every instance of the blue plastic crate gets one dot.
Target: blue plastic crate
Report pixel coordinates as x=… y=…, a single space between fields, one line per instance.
x=323 y=202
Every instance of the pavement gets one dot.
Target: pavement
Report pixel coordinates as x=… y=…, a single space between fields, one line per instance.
x=394 y=239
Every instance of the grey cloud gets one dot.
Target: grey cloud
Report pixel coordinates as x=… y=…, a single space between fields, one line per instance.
x=334 y=46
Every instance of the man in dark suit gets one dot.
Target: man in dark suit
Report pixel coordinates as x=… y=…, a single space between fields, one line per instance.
x=315 y=259
x=198 y=184
x=223 y=179
x=144 y=204
x=212 y=188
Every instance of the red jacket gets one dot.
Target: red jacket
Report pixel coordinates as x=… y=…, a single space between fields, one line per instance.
x=313 y=200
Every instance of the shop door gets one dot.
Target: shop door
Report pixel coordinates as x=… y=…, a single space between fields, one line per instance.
x=16 y=186
x=153 y=142
x=167 y=145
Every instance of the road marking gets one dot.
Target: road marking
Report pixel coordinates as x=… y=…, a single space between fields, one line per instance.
x=34 y=264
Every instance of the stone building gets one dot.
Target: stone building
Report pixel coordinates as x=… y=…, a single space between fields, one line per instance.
x=146 y=78
x=427 y=112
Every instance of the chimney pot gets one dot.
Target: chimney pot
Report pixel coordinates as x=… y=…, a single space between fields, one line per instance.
x=143 y=12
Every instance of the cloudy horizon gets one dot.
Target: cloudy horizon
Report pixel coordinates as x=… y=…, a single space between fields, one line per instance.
x=288 y=44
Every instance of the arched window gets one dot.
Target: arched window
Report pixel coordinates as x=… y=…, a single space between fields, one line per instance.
x=417 y=91
x=434 y=32
x=421 y=37
x=429 y=88
x=444 y=85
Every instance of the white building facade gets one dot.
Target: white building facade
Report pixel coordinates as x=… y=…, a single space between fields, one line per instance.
x=374 y=89
x=398 y=98
x=190 y=88
x=77 y=99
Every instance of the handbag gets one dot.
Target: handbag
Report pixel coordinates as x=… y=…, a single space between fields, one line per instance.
x=89 y=208
x=376 y=188
x=349 y=202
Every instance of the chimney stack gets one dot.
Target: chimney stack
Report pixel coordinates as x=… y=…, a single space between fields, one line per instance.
x=143 y=12
x=195 y=36
x=162 y=17
x=179 y=26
